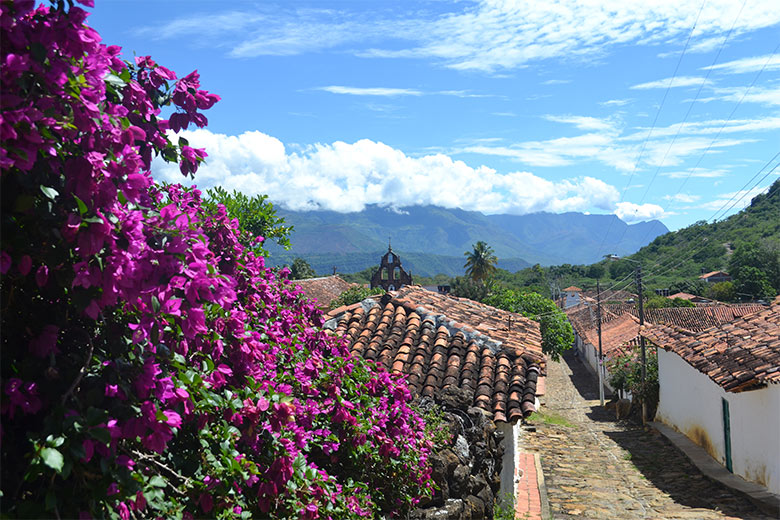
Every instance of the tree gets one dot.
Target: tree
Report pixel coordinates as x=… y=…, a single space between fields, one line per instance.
x=620 y=269
x=596 y=271
x=464 y=287
x=301 y=269
x=557 y=333
x=152 y=365
x=660 y=302
x=355 y=294
x=755 y=269
x=480 y=262
x=722 y=291
x=256 y=218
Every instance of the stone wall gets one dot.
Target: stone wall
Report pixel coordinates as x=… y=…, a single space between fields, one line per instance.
x=467 y=471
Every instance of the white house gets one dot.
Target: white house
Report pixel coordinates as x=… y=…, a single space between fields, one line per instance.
x=721 y=388
x=573 y=296
x=618 y=334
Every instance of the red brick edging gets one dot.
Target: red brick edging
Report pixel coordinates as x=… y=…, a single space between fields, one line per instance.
x=528 y=499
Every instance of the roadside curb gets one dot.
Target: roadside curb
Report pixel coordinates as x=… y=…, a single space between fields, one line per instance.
x=763 y=498
x=531 y=502
x=546 y=513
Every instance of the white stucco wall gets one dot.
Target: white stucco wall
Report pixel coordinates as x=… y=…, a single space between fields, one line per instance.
x=510 y=458
x=690 y=402
x=589 y=353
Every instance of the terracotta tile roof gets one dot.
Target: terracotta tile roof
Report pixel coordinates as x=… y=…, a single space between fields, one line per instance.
x=438 y=341
x=572 y=288
x=743 y=354
x=684 y=296
x=616 y=332
x=324 y=289
x=690 y=318
x=713 y=273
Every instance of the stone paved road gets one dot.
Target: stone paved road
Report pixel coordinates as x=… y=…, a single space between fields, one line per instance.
x=597 y=468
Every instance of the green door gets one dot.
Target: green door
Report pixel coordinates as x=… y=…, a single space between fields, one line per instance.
x=727 y=433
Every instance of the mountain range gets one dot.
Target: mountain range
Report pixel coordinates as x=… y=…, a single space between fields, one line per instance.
x=432 y=240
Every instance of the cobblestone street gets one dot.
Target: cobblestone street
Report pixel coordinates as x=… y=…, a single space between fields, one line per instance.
x=595 y=467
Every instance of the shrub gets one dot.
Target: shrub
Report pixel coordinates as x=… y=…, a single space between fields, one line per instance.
x=355 y=294
x=625 y=374
x=152 y=365
x=557 y=332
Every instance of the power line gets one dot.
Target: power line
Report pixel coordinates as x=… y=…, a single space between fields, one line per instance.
x=690 y=107
x=717 y=136
x=688 y=113
x=655 y=120
x=664 y=269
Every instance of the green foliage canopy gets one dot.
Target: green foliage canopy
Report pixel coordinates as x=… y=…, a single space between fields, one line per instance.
x=557 y=333
x=300 y=270
x=256 y=217
x=355 y=294
x=480 y=262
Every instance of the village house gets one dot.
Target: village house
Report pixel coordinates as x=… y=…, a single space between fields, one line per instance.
x=572 y=296
x=324 y=289
x=721 y=388
x=690 y=318
x=690 y=297
x=618 y=334
x=443 y=345
x=715 y=277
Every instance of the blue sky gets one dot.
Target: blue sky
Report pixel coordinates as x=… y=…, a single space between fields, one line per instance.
x=497 y=106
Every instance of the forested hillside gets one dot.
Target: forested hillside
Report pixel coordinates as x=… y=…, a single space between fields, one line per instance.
x=331 y=238
x=746 y=244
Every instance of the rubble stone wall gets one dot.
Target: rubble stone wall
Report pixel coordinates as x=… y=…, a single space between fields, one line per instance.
x=468 y=470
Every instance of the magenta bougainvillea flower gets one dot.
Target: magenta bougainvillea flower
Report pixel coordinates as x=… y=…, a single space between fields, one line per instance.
x=153 y=362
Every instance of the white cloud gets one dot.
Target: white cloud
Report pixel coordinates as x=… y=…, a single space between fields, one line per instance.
x=763 y=96
x=615 y=102
x=556 y=82
x=489 y=35
x=630 y=212
x=708 y=127
x=603 y=142
x=750 y=64
x=394 y=92
x=347 y=176
x=370 y=91
x=738 y=199
x=682 y=197
x=679 y=81
x=703 y=173
x=582 y=122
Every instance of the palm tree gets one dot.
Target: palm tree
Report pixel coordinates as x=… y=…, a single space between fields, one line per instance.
x=481 y=262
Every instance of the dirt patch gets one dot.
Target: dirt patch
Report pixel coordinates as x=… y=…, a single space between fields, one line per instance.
x=700 y=436
x=758 y=475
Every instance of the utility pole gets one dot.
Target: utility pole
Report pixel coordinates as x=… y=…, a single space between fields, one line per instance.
x=601 y=356
x=642 y=340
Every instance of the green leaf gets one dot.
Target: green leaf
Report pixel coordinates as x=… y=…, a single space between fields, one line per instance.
x=38 y=51
x=101 y=434
x=157 y=481
x=81 y=205
x=49 y=192
x=52 y=458
x=155 y=304
x=114 y=80
x=51 y=500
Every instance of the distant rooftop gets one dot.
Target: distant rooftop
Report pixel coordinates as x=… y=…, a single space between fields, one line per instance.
x=439 y=341
x=324 y=289
x=741 y=355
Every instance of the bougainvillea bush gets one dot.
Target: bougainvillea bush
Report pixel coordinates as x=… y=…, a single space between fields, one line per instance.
x=152 y=366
